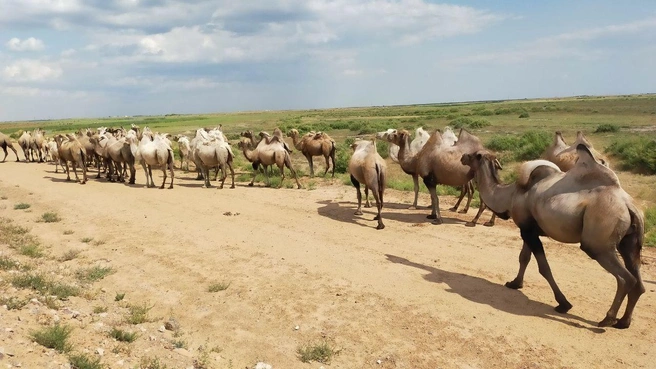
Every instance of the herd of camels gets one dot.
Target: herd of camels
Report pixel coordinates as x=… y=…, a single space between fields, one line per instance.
x=570 y=194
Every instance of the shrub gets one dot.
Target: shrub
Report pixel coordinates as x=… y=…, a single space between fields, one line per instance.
x=382 y=147
x=529 y=146
x=50 y=217
x=55 y=337
x=82 y=361
x=123 y=336
x=602 y=128
x=21 y=206
x=321 y=353
x=635 y=153
x=524 y=115
x=502 y=111
x=343 y=155
x=466 y=122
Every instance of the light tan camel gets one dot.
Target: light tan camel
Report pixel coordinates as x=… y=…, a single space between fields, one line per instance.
x=318 y=144
x=37 y=142
x=268 y=154
x=24 y=139
x=253 y=144
x=118 y=149
x=5 y=142
x=54 y=153
x=70 y=149
x=211 y=153
x=564 y=156
x=152 y=150
x=585 y=205
x=184 y=146
x=367 y=167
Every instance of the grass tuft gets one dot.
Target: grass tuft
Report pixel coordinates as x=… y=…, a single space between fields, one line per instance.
x=50 y=217
x=151 y=363
x=32 y=250
x=123 y=336
x=138 y=314
x=180 y=344
x=321 y=352
x=603 y=128
x=119 y=297
x=21 y=206
x=70 y=255
x=93 y=274
x=13 y=303
x=39 y=283
x=86 y=239
x=54 y=337
x=68 y=232
x=7 y=263
x=82 y=361
x=99 y=309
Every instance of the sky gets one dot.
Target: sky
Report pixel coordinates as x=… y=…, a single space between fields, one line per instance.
x=98 y=58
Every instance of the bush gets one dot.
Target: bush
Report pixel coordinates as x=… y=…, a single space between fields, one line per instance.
x=502 y=111
x=343 y=155
x=602 y=128
x=466 y=122
x=524 y=115
x=635 y=153
x=529 y=146
x=382 y=147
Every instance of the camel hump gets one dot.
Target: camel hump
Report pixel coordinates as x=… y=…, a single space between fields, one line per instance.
x=584 y=153
x=533 y=171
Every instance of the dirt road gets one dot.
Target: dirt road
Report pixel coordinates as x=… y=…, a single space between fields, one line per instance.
x=413 y=295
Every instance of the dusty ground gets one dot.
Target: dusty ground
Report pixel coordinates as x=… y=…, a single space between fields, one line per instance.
x=413 y=295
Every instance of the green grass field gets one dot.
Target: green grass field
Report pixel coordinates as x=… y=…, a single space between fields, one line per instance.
x=622 y=126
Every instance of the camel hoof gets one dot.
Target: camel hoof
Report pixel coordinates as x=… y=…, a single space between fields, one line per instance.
x=463 y=211
x=488 y=224
x=438 y=221
x=131 y=182
x=358 y=212
x=299 y=187
x=250 y=185
x=563 y=308
x=607 y=322
x=233 y=186
x=68 y=179
x=431 y=216
x=514 y=285
x=83 y=182
x=622 y=324
x=376 y=217
x=453 y=209
x=367 y=205
x=380 y=226
x=170 y=187
x=470 y=224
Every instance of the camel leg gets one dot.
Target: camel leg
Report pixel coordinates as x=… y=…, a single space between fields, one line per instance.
x=625 y=283
x=172 y=174
x=288 y=163
x=164 y=179
x=4 y=148
x=146 y=173
x=150 y=174
x=367 y=204
x=327 y=157
x=311 y=163
x=524 y=259
x=68 y=171
x=463 y=192
x=206 y=176
x=629 y=248
x=470 y=195
x=282 y=174
x=490 y=222
x=133 y=173
x=15 y=153
x=473 y=222
x=253 y=179
x=379 y=205
x=431 y=184
x=415 y=180
x=84 y=172
x=357 y=187
x=73 y=164
x=531 y=237
x=232 y=174
x=224 y=175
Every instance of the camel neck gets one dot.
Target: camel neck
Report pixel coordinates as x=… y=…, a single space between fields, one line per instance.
x=495 y=195
x=296 y=142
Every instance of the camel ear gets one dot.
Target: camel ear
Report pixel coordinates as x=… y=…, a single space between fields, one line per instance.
x=497 y=164
x=479 y=156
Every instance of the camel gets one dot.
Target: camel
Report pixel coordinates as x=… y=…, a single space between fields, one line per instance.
x=5 y=142
x=54 y=153
x=36 y=143
x=24 y=139
x=311 y=145
x=367 y=167
x=565 y=156
x=268 y=154
x=184 y=148
x=89 y=147
x=71 y=150
x=421 y=137
x=585 y=205
x=438 y=164
x=251 y=137
x=211 y=152
x=151 y=151
x=121 y=156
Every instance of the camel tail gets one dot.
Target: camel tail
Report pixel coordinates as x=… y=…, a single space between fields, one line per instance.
x=333 y=150
x=169 y=159
x=83 y=155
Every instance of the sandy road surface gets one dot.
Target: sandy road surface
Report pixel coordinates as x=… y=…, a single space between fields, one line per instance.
x=413 y=295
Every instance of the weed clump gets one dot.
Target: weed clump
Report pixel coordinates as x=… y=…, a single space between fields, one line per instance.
x=603 y=128
x=529 y=146
x=55 y=337
x=635 y=153
x=21 y=206
x=321 y=352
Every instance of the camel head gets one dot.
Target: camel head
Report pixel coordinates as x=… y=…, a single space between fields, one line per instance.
x=292 y=133
x=263 y=134
x=397 y=137
x=247 y=134
x=244 y=144
x=384 y=134
x=476 y=160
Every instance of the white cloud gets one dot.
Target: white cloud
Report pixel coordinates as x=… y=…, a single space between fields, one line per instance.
x=28 y=70
x=23 y=91
x=68 y=53
x=29 y=44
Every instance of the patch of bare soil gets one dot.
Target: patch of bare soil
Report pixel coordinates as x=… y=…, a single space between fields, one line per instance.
x=299 y=268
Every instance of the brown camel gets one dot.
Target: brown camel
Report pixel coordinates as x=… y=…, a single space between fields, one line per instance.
x=585 y=205
x=24 y=139
x=317 y=144
x=268 y=154
x=440 y=164
x=71 y=150
x=367 y=167
x=564 y=156
x=5 y=142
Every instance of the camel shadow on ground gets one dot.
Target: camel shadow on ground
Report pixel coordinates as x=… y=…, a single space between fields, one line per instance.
x=503 y=298
x=343 y=211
